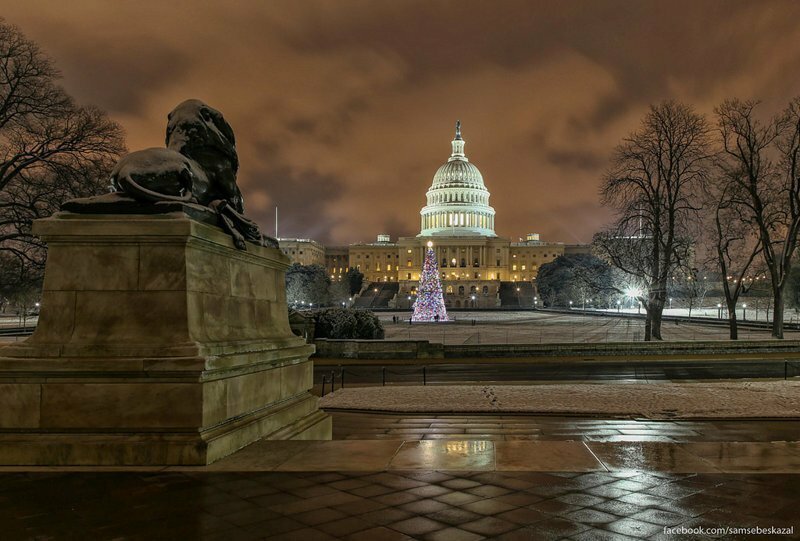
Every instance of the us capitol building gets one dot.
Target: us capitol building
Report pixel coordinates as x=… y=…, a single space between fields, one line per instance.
x=478 y=268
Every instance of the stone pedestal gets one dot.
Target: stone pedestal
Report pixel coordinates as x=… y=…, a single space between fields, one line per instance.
x=158 y=343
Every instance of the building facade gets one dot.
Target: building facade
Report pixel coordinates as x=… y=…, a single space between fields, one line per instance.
x=337 y=261
x=303 y=251
x=459 y=221
x=476 y=265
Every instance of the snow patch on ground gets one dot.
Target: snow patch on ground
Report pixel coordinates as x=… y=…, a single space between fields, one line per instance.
x=744 y=400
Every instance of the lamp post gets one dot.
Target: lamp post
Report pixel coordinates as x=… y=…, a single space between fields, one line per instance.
x=619 y=305
x=719 y=311
x=744 y=311
x=570 y=305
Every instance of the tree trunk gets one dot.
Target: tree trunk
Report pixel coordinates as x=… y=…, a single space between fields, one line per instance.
x=648 y=325
x=777 y=315
x=657 y=311
x=656 y=329
x=732 y=322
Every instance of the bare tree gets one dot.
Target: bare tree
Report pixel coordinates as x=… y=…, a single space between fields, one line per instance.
x=655 y=175
x=51 y=150
x=762 y=159
x=734 y=244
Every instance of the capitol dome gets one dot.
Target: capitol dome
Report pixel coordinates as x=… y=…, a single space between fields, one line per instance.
x=458 y=201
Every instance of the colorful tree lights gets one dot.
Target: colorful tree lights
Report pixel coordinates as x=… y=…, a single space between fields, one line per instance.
x=429 y=305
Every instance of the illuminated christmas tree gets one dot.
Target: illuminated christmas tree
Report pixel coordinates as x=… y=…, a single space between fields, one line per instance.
x=429 y=305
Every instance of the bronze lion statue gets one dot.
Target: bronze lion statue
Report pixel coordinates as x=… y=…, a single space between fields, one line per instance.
x=197 y=167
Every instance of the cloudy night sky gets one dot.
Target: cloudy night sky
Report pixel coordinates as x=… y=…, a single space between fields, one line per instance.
x=343 y=110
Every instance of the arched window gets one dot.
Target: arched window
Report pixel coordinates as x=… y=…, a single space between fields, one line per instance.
x=460 y=290
x=444 y=262
x=485 y=290
x=449 y=289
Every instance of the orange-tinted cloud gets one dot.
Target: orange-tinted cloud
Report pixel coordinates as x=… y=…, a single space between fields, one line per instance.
x=343 y=110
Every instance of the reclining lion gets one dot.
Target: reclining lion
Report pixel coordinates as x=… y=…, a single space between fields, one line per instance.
x=198 y=166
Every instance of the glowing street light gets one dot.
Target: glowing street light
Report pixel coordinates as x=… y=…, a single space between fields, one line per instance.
x=744 y=311
x=633 y=292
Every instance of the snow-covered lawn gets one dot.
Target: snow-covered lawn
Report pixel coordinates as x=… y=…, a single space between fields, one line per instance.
x=538 y=327
x=655 y=401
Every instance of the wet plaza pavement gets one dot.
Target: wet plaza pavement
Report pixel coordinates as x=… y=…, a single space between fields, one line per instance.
x=391 y=477
x=387 y=506
x=362 y=426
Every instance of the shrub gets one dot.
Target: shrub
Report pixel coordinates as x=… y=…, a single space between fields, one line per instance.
x=347 y=323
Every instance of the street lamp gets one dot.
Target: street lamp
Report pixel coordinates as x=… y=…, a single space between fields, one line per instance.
x=670 y=303
x=719 y=311
x=619 y=304
x=744 y=311
x=635 y=293
x=570 y=305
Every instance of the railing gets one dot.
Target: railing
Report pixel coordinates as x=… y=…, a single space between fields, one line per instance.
x=330 y=380
x=625 y=371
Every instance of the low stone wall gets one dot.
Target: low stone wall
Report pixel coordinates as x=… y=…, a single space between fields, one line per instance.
x=620 y=349
x=423 y=349
x=378 y=349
